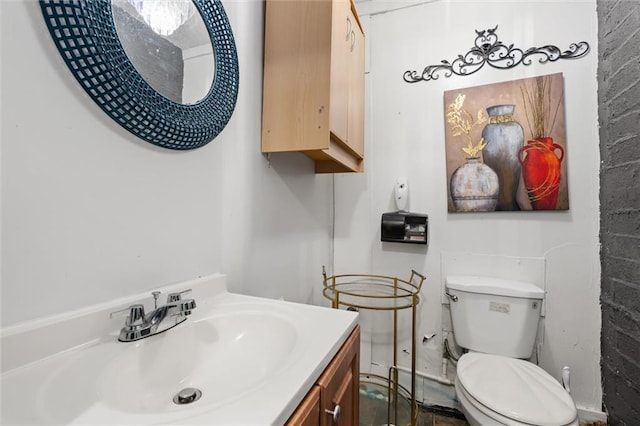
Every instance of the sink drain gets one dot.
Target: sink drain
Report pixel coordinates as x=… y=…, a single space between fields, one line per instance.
x=187 y=396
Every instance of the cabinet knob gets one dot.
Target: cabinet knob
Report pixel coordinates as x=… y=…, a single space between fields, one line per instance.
x=335 y=414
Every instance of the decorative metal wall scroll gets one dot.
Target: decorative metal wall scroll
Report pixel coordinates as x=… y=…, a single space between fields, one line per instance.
x=489 y=50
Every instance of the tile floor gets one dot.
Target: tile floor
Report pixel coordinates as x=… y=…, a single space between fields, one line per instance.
x=373 y=412
x=426 y=418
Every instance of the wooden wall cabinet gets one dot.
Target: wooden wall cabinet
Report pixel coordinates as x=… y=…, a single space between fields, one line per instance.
x=313 y=93
x=334 y=399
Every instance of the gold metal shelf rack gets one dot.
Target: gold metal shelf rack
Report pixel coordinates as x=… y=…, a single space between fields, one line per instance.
x=382 y=293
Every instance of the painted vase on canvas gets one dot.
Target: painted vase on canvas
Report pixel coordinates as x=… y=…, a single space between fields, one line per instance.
x=504 y=138
x=541 y=161
x=474 y=187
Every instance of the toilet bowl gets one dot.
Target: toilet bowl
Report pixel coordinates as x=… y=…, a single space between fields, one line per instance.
x=496 y=390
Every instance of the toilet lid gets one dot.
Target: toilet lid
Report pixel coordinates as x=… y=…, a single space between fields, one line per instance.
x=516 y=389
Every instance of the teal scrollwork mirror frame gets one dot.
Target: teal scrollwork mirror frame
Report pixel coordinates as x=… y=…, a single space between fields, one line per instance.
x=85 y=34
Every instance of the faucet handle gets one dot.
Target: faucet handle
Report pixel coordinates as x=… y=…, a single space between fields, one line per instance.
x=136 y=314
x=175 y=297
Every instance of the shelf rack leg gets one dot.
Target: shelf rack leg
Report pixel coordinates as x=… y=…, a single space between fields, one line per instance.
x=414 y=404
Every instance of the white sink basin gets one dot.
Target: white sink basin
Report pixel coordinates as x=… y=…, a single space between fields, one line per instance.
x=253 y=360
x=224 y=356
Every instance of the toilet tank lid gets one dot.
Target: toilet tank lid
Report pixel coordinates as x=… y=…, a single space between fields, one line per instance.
x=494 y=286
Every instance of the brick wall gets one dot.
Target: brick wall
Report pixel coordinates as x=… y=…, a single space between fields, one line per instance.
x=619 y=115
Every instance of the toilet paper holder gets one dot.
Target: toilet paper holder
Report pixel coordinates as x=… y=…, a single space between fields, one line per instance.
x=404 y=227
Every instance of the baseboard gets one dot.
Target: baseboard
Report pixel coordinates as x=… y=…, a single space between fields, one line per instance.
x=589 y=417
x=440 y=410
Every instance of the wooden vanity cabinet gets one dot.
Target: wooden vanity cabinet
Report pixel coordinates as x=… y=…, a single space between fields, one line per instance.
x=313 y=93
x=338 y=386
x=308 y=412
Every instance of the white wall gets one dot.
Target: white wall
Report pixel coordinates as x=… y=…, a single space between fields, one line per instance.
x=405 y=137
x=91 y=213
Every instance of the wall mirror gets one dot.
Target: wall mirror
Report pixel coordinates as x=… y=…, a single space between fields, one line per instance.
x=167 y=71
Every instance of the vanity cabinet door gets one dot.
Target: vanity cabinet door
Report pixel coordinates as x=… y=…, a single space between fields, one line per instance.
x=308 y=412
x=339 y=385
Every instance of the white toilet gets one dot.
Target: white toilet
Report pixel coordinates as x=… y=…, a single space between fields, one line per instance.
x=497 y=321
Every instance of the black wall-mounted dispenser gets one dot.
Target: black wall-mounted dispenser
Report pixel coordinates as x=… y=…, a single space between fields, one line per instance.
x=404 y=227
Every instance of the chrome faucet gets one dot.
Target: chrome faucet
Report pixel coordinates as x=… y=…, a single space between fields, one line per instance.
x=137 y=325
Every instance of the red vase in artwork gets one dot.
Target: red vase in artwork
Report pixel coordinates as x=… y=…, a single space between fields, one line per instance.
x=541 y=161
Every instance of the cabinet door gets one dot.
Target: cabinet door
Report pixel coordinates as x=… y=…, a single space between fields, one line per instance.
x=346 y=115
x=355 y=135
x=308 y=412
x=339 y=385
x=296 y=87
x=308 y=88
x=341 y=27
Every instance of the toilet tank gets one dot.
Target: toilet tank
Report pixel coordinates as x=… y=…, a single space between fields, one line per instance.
x=494 y=315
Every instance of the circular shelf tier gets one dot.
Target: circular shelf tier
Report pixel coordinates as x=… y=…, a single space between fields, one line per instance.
x=377 y=292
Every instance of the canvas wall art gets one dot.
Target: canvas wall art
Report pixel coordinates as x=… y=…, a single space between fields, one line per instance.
x=506 y=146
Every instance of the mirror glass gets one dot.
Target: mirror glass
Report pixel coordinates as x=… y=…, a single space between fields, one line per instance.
x=168 y=43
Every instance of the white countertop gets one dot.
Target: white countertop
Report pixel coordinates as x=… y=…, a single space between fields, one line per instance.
x=52 y=368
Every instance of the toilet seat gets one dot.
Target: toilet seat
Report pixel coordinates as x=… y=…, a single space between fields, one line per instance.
x=514 y=391
x=478 y=414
